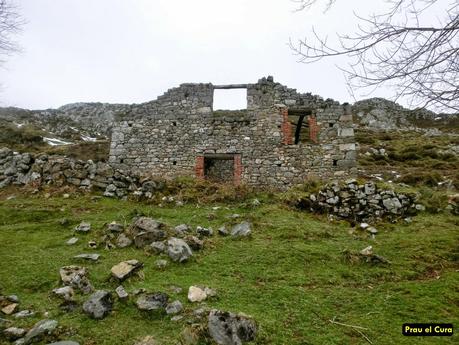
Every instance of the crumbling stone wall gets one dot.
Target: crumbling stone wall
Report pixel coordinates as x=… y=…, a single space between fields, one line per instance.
x=172 y=135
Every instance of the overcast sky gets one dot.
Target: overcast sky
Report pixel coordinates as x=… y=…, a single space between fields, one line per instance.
x=122 y=51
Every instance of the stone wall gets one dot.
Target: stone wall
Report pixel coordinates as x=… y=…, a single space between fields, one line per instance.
x=173 y=135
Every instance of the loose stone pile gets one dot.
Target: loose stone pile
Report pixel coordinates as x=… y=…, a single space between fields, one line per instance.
x=360 y=202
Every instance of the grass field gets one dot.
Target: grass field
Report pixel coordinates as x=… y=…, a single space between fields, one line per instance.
x=291 y=276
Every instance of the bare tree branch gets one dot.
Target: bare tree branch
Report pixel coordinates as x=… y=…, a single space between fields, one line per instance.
x=395 y=48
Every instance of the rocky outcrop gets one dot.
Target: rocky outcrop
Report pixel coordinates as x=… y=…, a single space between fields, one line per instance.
x=381 y=114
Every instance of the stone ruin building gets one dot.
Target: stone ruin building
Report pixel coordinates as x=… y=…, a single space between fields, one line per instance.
x=280 y=139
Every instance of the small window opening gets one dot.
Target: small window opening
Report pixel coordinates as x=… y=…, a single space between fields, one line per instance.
x=187 y=94
x=335 y=162
x=130 y=124
x=230 y=99
x=300 y=125
x=174 y=162
x=121 y=160
x=331 y=124
x=174 y=123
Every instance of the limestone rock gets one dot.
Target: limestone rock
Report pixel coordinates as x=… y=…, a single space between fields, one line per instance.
x=178 y=250
x=152 y=301
x=147 y=224
x=76 y=277
x=24 y=314
x=65 y=342
x=72 y=241
x=123 y=241
x=124 y=269
x=13 y=333
x=65 y=292
x=121 y=292
x=98 y=305
x=145 y=238
x=39 y=330
x=115 y=227
x=241 y=230
x=10 y=308
x=157 y=247
x=200 y=293
x=194 y=242
x=181 y=230
x=90 y=257
x=204 y=232
x=230 y=329
x=174 y=307
x=83 y=227
x=161 y=264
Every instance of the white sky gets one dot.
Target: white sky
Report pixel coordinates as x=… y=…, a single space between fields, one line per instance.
x=131 y=51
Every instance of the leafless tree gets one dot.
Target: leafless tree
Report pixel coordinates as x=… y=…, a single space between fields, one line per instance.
x=10 y=24
x=398 y=48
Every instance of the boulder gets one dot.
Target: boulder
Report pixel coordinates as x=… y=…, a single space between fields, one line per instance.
x=65 y=342
x=157 y=247
x=98 y=305
x=72 y=241
x=76 y=277
x=152 y=301
x=178 y=249
x=24 y=314
x=10 y=308
x=124 y=269
x=227 y=328
x=146 y=224
x=204 y=232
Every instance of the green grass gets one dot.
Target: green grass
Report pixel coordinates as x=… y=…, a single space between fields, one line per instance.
x=291 y=276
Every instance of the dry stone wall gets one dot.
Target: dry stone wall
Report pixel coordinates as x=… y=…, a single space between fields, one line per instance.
x=179 y=132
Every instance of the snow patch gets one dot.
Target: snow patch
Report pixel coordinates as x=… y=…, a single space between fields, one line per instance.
x=55 y=141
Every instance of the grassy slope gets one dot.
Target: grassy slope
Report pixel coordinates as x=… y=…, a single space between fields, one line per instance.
x=290 y=276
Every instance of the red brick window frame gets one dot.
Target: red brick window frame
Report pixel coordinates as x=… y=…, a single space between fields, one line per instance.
x=286 y=128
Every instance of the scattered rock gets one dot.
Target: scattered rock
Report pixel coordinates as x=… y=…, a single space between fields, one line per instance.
x=65 y=292
x=161 y=264
x=83 y=227
x=146 y=224
x=92 y=244
x=230 y=329
x=241 y=230
x=91 y=257
x=121 y=292
x=222 y=231
x=13 y=298
x=181 y=230
x=10 y=308
x=367 y=251
x=115 y=227
x=200 y=293
x=194 y=242
x=76 y=277
x=13 y=333
x=124 y=269
x=123 y=241
x=65 y=342
x=39 y=331
x=72 y=241
x=174 y=308
x=145 y=238
x=178 y=250
x=152 y=301
x=157 y=247
x=204 y=232
x=98 y=305
x=24 y=314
